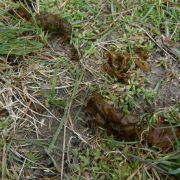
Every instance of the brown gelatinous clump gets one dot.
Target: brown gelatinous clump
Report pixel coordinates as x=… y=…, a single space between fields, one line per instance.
x=118 y=123
x=118 y=65
x=163 y=137
x=142 y=57
x=127 y=126
x=52 y=23
x=141 y=52
x=142 y=65
x=119 y=61
x=55 y=24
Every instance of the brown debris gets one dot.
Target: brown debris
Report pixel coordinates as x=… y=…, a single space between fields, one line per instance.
x=119 y=61
x=52 y=23
x=127 y=125
x=163 y=137
x=120 y=124
x=142 y=53
x=142 y=65
x=142 y=57
x=58 y=26
x=55 y=24
x=117 y=65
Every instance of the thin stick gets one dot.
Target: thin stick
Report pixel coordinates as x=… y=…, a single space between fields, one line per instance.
x=21 y=169
x=4 y=160
x=37 y=4
x=156 y=43
x=135 y=172
x=64 y=144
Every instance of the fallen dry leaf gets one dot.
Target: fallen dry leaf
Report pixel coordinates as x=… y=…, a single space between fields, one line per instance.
x=120 y=124
x=163 y=137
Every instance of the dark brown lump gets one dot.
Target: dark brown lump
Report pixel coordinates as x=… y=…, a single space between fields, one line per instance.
x=117 y=65
x=127 y=126
x=120 y=124
x=55 y=24
x=163 y=137
x=142 y=57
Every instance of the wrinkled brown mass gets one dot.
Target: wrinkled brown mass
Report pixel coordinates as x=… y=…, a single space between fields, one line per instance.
x=119 y=61
x=142 y=65
x=50 y=22
x=120 y=124
x=141 y=52
x=54 y=23
x=117 y=65
x=163 y=137
x=126 y=126
x=142 y=57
